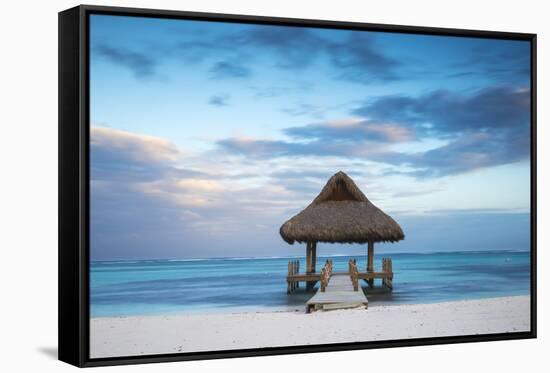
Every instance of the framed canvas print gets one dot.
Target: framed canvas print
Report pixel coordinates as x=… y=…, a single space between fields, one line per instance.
x=240 y=186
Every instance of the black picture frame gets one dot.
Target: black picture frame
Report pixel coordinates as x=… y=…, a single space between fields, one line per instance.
x=74 y=176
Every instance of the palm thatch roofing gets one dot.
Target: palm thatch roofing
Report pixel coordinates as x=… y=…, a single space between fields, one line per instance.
x=341 y=213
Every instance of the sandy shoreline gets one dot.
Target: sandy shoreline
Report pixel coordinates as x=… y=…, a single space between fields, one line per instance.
x=137 y=335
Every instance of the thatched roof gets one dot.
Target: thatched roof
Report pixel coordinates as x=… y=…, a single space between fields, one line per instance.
x=341 y=213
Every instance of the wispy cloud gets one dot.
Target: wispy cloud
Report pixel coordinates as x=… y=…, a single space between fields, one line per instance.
x=121 y=155
x=228 y=70
x=509 y=62
x=141 y=64
x=470 y=151
x=143 y=184
x=146 y=203
x=303 y=109
x=219 y=100
x=487 y=128
x=293 y=47
x=129 y=146
x=443 y=112
x=293 y=86
x=356 y=58
x=359 y=60
x=352 y=130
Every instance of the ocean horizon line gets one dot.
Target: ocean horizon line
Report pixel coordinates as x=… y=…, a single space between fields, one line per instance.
x=229 y=258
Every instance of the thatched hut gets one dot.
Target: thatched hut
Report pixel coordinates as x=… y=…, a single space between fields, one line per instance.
x=341 y=213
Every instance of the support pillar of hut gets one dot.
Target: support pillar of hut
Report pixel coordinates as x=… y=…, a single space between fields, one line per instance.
x=311 y=261
x=314 y=257
x=308 y=257
x=370 y=262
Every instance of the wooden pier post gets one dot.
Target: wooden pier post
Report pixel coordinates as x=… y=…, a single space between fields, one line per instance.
x=293 y=270
x=288 y=291
x=308 y=257
x=293 y=282
x=370 y=262
x=390 y=269
x=387 y=280
x=296 y=266
x=297 y=271
x=353 y=274
x=385 y=269
x=311 y=254
x=313 y=257
x=326 y=273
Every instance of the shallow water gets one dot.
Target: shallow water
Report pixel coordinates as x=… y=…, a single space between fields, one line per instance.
x=119 y=288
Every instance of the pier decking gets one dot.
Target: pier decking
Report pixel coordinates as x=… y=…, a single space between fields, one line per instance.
x=339 y=293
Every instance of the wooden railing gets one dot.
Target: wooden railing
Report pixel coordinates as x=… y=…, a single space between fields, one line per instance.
x=387 y=266
x=353 y=274
x=293 y=269
x=326 y=272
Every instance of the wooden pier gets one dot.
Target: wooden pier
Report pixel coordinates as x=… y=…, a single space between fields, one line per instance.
x=339 y=294
x=338 y=290
x=294 y=277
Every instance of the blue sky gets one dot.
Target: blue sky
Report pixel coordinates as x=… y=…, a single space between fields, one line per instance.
x=206 y=137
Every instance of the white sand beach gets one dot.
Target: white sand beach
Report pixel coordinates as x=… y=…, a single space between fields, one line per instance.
x=138 y=335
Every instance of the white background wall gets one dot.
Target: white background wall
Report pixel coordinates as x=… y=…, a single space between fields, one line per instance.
x=28 y=183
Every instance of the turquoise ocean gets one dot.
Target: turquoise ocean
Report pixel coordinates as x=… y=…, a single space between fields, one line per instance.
x=161 y=287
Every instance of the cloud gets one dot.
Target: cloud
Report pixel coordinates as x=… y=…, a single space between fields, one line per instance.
x=292 y=86
x=352 y=130
x=142 y=65
x=358 y=60
x=200 y=49
x=218 y=100
x=228 y=70
x=200 y=184
x=470 y=151
x=270 y=149
x=299 y=173
x=407 y=193
x=355 y=57
x=124 y=155
x=127 y=221
x=443 y=113
x=147 y=204
x=294 y=47
x=260 y=148
x=487 y=128
x=352 y=56
x=353 y=138
x=461 y=74
x=510 y=62
x=127 y=146
x=148 y=200
x=305 y=109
